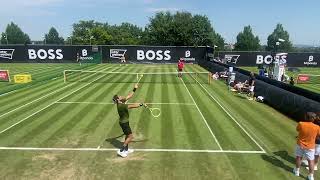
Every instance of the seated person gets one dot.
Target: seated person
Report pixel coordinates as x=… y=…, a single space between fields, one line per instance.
x=249 y=86
x=215 y=76
x=224 y=75
x=291 y=81
x=238 y=86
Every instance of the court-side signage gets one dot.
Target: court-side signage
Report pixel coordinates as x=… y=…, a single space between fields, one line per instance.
x=45 y=54
x=153 y=54
x=6 y=53
x=259 y=58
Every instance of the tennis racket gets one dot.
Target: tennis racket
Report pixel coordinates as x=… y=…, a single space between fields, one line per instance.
x=155 y=112
x=139 y=78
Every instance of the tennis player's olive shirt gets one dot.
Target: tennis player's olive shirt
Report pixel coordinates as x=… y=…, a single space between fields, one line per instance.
x=123 y=112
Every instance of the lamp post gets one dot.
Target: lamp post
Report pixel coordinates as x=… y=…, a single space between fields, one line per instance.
x=70 y=37
x=214 y=50
x=6 y=36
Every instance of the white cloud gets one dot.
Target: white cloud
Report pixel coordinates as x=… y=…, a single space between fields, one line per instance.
x=162 y=9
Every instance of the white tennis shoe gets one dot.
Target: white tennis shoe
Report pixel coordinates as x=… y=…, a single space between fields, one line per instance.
x=296 y=172
x=122 y=153
x=310 y=177
x=130 y=151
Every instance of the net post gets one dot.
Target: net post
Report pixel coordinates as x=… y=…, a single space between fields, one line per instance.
x=8 y=75
x=64 y=76
x=209 y=78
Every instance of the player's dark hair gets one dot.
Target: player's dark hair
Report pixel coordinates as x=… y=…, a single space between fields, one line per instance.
x=115 y=99
x=311 y=116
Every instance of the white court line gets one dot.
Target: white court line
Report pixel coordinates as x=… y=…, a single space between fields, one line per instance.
x=34 y=100
x=47 y=106
x=9 y=92
x=137 y=150
x=231 y=116
x=101 y=103
x=204 y=119
x=37 y=99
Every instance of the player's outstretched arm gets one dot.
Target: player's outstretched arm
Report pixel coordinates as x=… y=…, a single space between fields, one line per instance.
x=136 y=105
x=130 y=95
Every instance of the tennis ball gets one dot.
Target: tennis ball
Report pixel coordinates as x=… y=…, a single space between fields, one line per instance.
x=141 y=75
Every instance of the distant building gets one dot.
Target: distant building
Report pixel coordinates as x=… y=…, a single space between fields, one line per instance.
x=37 y=42
x=228 y=47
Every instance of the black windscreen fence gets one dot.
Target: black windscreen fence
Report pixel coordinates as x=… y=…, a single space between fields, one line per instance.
x=293 y=101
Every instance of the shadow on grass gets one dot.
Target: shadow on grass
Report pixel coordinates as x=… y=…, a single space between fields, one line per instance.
x=277 y=160
x=240 y=96
x=285 y=155
x=115 y=142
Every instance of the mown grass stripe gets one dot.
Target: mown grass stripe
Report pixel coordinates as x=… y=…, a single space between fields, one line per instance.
x=258 y=114
x=17 y=123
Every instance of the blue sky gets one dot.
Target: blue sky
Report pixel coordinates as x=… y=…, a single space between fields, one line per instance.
x=228 y=17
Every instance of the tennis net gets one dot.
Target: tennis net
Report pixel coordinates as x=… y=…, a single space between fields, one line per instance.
x=126 y=77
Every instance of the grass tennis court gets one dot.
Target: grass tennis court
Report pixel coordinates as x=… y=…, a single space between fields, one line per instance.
x=57 y=130
x=303 y=70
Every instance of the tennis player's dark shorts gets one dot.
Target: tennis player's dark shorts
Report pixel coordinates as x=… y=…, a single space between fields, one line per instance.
x=179 y=70
x=126 y=128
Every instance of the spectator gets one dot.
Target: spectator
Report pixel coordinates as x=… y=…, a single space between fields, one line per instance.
x=251 y=84
x=307 y=133
x=215 y=76
x=238 y=86
x=291 y=81
x=317 y=150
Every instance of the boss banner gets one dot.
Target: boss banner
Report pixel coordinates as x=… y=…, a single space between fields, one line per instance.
x=152 y=54
x=261 y=58
x=50 y=54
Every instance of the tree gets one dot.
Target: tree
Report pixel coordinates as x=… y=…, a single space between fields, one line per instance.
x=159 y=30
x=126 y=33
x=53 y=37
x=14 y=35
x=83 y=31
x=100 y=36
x=181 y=29
x=246 y=41
x=217 y=41
x=279 y=32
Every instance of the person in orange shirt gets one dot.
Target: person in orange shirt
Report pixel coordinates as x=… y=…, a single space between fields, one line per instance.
x=307 y=133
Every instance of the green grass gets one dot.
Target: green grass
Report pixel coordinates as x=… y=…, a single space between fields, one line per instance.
x=303 y=70
x=241 y=125
x=41 y=73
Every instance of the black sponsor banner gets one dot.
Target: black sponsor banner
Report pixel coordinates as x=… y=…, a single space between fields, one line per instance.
x=152 y=54
x=266 y=58
x=49 y=54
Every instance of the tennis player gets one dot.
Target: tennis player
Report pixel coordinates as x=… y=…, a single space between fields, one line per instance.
x=78 y=59
x=123 y=111
x=307 y=133
x=180 y=67
x=123 y=60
